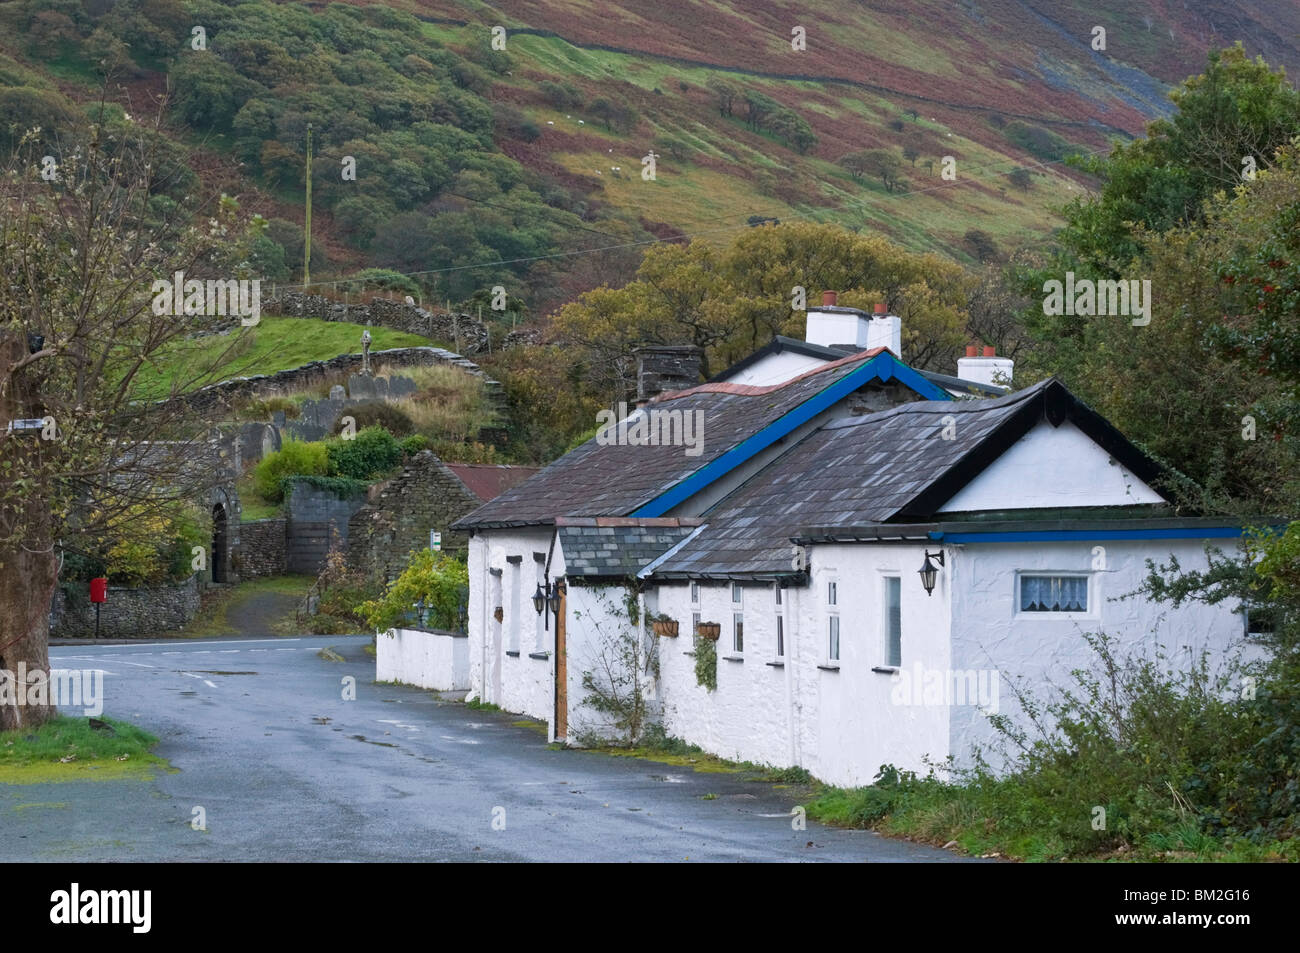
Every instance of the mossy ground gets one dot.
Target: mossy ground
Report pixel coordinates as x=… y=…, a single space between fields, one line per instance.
x=69 y=749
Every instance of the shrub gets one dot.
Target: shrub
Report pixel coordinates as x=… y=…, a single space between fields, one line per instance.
x=439 y=580
x=370 y=454
x=414 y=444
x=159 y=547
x=263 y=408
x=294 y=458
x=706 y=663
x=379 y=413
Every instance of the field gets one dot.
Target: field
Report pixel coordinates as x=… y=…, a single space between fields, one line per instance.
x=274 y=344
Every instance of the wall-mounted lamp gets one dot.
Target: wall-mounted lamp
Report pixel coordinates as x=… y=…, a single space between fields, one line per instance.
x=929 y=572
x=547 y=597
x=35 y=342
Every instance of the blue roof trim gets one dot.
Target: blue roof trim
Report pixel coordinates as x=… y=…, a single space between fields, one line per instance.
x=1064 y=535
x=883 y=367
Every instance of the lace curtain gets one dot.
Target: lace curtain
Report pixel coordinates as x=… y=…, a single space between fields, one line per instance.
x=1053 y=594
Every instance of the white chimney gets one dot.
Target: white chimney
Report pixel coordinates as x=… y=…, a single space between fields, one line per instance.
x=885 y=330
x=830 y=325
x=988 y=369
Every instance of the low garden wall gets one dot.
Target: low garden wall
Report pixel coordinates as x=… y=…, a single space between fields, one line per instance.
x=426 y=659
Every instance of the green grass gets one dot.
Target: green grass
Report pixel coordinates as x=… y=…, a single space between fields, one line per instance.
x=997 y=820
x=251 y=505
x=274 y=344
x=475 y=705
x=38 y=756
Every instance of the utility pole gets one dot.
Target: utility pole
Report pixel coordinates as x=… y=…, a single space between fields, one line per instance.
x=306 y=228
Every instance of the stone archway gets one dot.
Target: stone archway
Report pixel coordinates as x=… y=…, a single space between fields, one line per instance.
x=220 y=555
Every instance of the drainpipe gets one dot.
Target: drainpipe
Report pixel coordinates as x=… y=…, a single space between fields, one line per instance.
x=790 y=602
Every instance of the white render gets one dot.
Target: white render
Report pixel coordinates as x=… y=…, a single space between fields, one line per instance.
x=1051 y=467
x=836 y=327
x=777 y=368
x=436 y=660
x=986 y=370
x=519 y=683
x=842 y=725
x=886 y=330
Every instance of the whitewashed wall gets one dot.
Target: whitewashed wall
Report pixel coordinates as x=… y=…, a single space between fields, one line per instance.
x=843 y=724
x=1052 y=467
x=597 y=619
x=1043 y=650
x=517 y=682
x=436 y=660
x=838 y=723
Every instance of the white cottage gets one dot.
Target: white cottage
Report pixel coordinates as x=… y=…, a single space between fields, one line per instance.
x=883 y=554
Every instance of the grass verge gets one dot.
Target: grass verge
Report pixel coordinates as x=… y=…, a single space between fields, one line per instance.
x=73 y=749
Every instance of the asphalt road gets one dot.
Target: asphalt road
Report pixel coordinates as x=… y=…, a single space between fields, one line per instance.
x=285 y=769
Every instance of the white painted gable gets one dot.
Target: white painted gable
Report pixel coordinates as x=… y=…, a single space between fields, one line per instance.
x=1050 y=467
x=776 y=368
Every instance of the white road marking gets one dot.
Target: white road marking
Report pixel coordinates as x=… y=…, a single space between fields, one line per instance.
x=200 y=678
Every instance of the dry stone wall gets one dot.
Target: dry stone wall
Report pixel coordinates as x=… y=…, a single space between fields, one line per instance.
x=462 y=331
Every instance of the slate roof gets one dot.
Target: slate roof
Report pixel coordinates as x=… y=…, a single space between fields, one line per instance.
x=487 y=481
x=616 y=480
x=617 y=547
x=892 y=466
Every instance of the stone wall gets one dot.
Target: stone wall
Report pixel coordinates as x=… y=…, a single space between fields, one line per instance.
x=127 y=613
x=317 y=521
x=400 y=513
x=464 y=332
x=226 y=394
x=263 y=548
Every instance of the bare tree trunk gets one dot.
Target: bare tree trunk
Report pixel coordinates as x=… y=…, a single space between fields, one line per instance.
x=27 y=581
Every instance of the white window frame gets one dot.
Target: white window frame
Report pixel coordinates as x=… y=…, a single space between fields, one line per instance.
x=695 y=593
x=738 y=633
x=780 y=623
x=833 y=634
x=1092 y=612
x=737 y=594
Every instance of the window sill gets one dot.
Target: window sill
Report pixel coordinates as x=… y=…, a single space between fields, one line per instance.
x=733 y=658
x=777 y=664
x=830 y=667
x=543 y=656
x=512 y=654
x=885 y=669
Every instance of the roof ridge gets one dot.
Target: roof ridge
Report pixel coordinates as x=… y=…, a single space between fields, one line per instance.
x=757 y=390
x=941 y=406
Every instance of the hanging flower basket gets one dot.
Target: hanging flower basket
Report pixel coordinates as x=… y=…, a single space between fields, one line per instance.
x=709 y=630
x=665 y=628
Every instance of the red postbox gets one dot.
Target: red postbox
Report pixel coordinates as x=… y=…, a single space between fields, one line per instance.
x=99 y=589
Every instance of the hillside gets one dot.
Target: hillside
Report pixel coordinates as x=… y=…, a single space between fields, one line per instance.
x=523 y=167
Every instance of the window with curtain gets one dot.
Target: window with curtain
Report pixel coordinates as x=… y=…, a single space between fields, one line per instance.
x=1053 y=593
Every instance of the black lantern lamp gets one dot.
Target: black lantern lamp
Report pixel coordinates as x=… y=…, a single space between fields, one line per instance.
x=547 y=598
x=929 y=572
x=35 y=342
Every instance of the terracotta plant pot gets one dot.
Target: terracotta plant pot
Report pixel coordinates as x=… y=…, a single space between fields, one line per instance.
x=710 y=630
x=665 y=628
